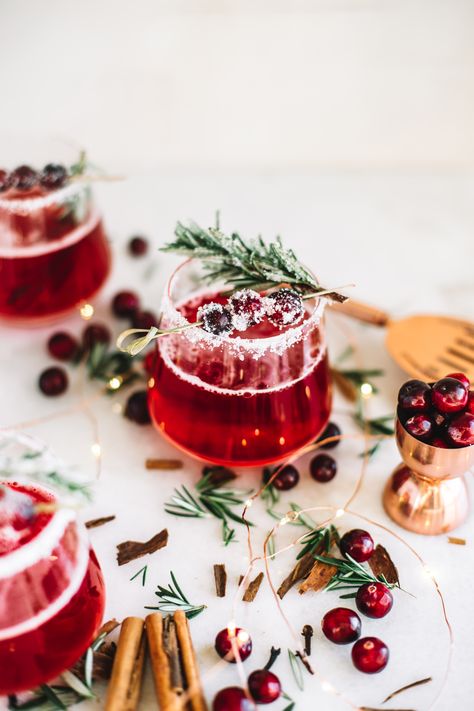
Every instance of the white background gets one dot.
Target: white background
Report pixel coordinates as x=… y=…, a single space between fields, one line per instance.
x=347 y=127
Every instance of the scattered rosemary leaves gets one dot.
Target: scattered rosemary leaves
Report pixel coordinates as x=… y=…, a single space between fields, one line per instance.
x=143 y=571
x=172 y=598
x=296 y=670
x=131 y=550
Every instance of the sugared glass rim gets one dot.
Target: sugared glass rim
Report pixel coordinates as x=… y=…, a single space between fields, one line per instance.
x=257 y=346
x=23 y=206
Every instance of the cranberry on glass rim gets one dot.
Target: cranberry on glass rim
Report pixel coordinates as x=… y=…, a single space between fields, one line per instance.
x=238 y=398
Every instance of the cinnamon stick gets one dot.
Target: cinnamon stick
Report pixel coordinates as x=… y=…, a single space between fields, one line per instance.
x=252 y=589
x=166 y=697
x=220 y=578
x=131 y=550
x=188 y=656
x=164 y=464
x=125 y=683
x=301 y=570
x=319 y=577
x=381 y=564
x=96 y=522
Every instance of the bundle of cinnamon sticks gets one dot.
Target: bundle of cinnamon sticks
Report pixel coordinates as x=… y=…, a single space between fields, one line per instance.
x=173 y=661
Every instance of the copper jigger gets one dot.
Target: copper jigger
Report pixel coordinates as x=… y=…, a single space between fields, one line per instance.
x=427 y=492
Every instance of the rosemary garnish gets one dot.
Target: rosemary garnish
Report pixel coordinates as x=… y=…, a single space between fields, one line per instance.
x=114 y=367
x=143 y=571
x=350 y=574
x=315 y=537
x=172 y=598
x=209 y=500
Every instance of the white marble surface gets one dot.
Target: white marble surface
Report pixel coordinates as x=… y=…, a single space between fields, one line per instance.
x=407 y=242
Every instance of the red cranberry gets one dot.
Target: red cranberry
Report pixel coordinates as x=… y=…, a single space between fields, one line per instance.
x=53 y=176
x=470 y=403
x=264 y=686
x=420 y=426
x=358 y=544
x=449 y=395
x=438 y=442
x=53 y=381
x=224 y=644
x=144 y=319
x=332 y=430
x=95 y=333
x=323 y=468
x=286 y=479
x=414 y=395
x=462 y=379
x=232 y=699
x=23 y=178
x=248 y=309
x=341 y=625
x=284 y=307
x=136 y=408
x=138 y=246
x=63 y=346
x=125 y=304
x=374 y=600
x=4 y=181
x=215 y=318
x=460 y=430
x=370 y=655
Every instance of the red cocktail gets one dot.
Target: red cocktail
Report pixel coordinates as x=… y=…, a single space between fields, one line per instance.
x=51 y=589
x=54 y=253
x=245 y=400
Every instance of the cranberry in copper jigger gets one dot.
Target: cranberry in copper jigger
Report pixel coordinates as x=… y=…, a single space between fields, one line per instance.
x=449 y=395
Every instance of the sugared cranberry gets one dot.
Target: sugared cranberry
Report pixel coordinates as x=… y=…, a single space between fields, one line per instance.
x=144 y=319
x=374 y=600
x=95 y=333
x=470 y=403
x=284 y=307
x=341 y=625
x=264 y=686
x=23 y=178
x=415 y=395
x=462 y=377
x=370 y=655
x=63 y=346
x=53 y=176
x=215 y=318
x=286 y=479
x=323 y=468
x=138 y=246
x=248 y=309
x=53 y=381
x=232 y=699
x=357 y=544
x=125 y=304
x=460 y=430
x=449 y=395
x=136 y=408
x=332 y=430
x=420 y=426
x=4 y=181
x=225 y=642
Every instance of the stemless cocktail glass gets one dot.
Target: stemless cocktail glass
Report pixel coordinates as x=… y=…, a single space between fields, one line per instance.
x=51 y=588
x=54 y=253
x=242 y=400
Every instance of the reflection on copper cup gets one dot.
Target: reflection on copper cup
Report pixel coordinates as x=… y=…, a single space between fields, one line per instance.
x=427 y=493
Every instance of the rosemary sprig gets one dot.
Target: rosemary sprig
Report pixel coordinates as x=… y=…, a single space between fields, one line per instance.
x=314 y=537
x=172 y=598
x=112 y=367
x=296 y=669
x=210 y=499
x=351 y=574
x=240 y=263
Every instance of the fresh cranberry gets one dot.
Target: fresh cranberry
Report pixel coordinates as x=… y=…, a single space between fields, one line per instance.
x=248 y=309
x=286 y=479
x=470 y=403
x=420 y=426
x=357 y=544
x=215 y=318
x=4 y=181
x=370 y=655
x=415 y=395
x=53 y=176
x=460 y=430
x=224 y=644
x=323 y=468
x=438 y=442
x=284 y=307
x=125 y=304
x=232 y=699
x=136 y=408
x=374 y=600
x=23 y=178
x=332 y=430
x=449 y=395
x=53 y=381
x=138 y=246
x=63 y=346
x=462 y=379
x=95 y=333
x=341 y=625
x=264 y=686
x=144 y=319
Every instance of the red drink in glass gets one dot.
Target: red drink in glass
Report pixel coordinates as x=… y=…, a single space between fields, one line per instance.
x=54 y=253
x=51 y=589
x=243 y=401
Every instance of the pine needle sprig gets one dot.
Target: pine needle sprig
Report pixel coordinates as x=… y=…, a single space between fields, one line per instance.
x=172 y=598
x=244 y=263
x=351 y=574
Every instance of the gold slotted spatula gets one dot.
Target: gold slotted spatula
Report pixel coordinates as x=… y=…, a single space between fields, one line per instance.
x=425 y=346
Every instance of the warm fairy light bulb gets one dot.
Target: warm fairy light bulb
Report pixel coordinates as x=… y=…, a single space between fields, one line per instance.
x=86 y=311
x=339 y=513
x=96 y=449
x=115 y=383
x=366 y=389
x=248 y=503
x=242 y=636
x=151 y=383
x=231 y=627
x=289 y=517
x=327 y=687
